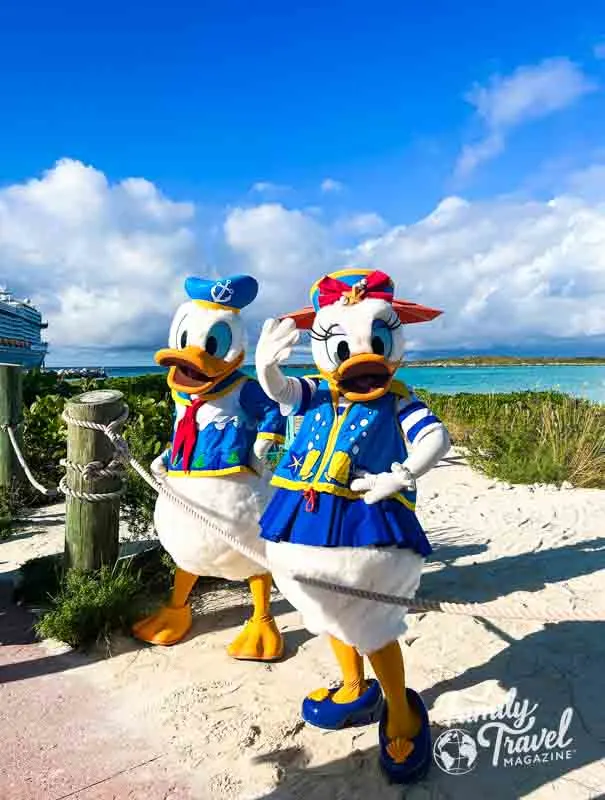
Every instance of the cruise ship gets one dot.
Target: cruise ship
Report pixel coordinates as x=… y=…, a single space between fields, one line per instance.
x=20 y=333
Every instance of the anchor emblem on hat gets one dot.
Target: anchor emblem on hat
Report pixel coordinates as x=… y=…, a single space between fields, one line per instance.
x=222 y=292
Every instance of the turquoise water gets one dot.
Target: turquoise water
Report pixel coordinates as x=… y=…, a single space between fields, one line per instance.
x=579 y=381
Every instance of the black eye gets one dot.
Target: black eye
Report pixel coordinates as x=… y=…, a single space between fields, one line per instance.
x=342 y=351
x=378 y=345
x=183 y=339
x=211 y=345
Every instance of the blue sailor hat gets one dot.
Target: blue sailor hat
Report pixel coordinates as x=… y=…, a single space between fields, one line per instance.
x=232 y=293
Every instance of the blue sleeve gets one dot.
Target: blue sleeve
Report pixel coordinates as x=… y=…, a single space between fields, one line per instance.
x=416 y=418
x=308 y=387
x=271 y=424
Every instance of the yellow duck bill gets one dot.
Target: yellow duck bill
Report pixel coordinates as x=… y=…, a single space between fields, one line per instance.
x=193 y=370
x=366 y=376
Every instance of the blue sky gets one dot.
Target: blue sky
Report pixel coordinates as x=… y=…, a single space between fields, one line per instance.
x=207 y=100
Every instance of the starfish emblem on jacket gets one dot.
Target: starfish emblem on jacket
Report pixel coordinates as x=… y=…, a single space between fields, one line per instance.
x=297 y=462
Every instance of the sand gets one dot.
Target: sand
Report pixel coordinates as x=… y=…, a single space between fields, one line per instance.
x=218 y=728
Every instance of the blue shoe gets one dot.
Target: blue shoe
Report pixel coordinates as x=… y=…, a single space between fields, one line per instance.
x=417 y=764
x=333 y=716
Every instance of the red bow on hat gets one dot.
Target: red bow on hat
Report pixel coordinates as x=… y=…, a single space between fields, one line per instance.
x=377 y=285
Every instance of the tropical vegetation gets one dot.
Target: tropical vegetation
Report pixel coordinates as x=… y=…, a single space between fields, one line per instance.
x=522 y=437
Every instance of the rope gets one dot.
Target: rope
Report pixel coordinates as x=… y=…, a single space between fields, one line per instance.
x=24 y=466
x=90 y=471
x=414 y=604
x=97 y=469
x=123 y=457
x=91 y=497
x=94 y=469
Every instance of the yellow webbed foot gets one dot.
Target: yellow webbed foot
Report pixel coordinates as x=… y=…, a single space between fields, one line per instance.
x=319 y=695
x=168 y=626
x=259 y=641
x=399 y=749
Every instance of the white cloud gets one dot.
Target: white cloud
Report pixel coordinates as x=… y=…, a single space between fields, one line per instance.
x=266 y=187
x=284 y=249
x=103 y=261
x=589 y=182
x=506 y=273
x=527 y=94
x=330 y=185
x=363 y=224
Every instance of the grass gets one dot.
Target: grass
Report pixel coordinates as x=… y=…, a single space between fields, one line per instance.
x=528 y=437
x=523 y=437
x=90 y=606
x=81 y=608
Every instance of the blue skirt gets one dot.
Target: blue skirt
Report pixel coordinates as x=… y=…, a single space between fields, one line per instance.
x=340 y=522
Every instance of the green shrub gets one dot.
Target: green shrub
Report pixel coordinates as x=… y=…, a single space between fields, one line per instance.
x=44 y=438
x=464 y=413
x=90 y=606
x=154 y=386
x=39 y=384
x=519 y=437
x=148 y=433
x=83 y=608
x=547 y=442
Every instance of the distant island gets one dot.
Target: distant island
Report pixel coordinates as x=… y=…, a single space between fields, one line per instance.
x=495 y=361
x=506 y=361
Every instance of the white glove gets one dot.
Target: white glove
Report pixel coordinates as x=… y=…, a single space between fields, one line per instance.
x=260 y=448
x=384 y=485
x=431 y=448
x=158 y=467
x=273 y=348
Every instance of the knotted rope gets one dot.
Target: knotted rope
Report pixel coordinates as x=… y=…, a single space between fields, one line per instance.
x=415 y=604
x=123 y=458
x=97 y=469
x=90 y=471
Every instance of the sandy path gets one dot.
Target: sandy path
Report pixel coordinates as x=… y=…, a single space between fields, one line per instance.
x=231 y=730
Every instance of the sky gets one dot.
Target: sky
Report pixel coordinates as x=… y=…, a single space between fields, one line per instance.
x=460 y=147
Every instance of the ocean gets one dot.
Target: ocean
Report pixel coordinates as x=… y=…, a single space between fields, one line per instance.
x=580 y=381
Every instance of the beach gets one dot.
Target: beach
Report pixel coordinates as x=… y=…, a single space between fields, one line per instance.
x=188 y=722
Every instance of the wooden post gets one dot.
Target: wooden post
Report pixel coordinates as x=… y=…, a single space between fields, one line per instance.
x=10 y=414
x=92 y=529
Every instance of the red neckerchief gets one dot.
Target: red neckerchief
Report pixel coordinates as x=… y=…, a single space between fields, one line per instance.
x=186 y=434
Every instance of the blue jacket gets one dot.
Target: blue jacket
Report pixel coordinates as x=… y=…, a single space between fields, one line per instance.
x=331 y=447
x=228 y=424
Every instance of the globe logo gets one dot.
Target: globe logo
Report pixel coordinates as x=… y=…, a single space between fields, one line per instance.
x=455 y=752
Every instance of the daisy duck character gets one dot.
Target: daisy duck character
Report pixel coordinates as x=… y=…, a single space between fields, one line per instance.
x=343 y=510
x=225 y=424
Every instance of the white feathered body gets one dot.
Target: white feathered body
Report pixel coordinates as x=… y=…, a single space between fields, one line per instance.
x=365 y=624
x=234 y=502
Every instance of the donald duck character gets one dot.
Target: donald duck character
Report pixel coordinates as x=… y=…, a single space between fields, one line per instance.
x=225 y=424
x=343 y=510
